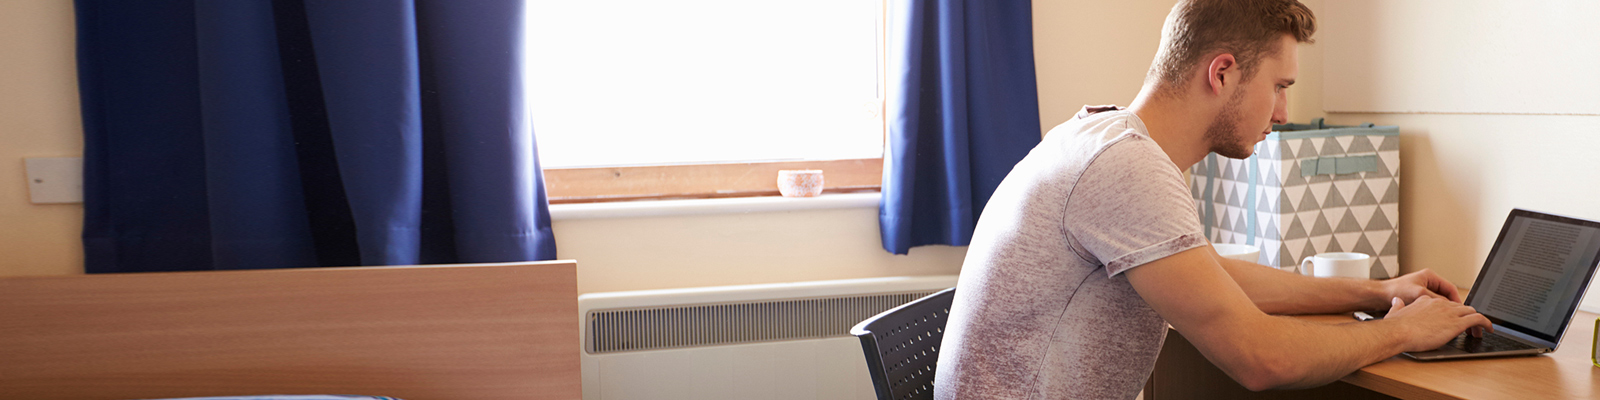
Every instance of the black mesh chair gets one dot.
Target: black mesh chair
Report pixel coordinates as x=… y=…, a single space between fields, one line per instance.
x=902 y=345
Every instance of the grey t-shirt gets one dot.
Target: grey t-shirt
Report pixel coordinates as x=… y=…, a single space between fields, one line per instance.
x=1042 y=310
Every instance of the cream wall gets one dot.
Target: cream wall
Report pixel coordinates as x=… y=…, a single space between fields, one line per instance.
x=38 y=118
x=739 y=248
x=1097 y=52
x=1092 y=52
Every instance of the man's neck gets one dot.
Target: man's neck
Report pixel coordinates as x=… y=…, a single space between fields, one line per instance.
x=1176 y=126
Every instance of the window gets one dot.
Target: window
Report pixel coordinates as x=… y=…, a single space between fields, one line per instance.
x=704 y=98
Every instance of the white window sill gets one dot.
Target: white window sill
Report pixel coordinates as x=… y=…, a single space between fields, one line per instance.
x=735 y=205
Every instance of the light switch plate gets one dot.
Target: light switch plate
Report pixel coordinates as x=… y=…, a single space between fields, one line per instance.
x=55 y=180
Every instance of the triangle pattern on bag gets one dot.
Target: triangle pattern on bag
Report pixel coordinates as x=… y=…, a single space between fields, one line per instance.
x=1308 y=202
x=1296 y=230
x=1360 y=144
x=1306 y=149
x=1379 y=222
x=1382 y=172
x=1306 y=251
x=1378 y=271
x=1364 y=248
x=1331 y=148
x=1321 y=227
x=1348 y=223
x=1293 y=178
x=1392 y=194
x=1389 y=142
x=1335 y=199
x=1364 y=195
x=1286 y=256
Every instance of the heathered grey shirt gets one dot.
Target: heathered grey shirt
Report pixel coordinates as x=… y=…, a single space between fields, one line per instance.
x=1042 y=310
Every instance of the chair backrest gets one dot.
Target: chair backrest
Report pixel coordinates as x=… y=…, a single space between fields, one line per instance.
x=902 y=345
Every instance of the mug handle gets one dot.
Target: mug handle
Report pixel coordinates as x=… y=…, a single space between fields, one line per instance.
x=1305 y=266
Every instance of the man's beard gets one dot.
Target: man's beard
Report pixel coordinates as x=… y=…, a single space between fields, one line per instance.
x=1222 y=136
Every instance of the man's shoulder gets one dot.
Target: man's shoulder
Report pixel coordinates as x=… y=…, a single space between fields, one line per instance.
x=1109 y=140
x=1102 y=125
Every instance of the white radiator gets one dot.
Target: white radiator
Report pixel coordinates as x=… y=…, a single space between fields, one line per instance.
x=786 y=341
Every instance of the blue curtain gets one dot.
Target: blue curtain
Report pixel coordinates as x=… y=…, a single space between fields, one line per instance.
x=248 y=134
x=963 y=107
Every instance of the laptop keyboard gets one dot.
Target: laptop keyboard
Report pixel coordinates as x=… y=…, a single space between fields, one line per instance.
x=1488 y=343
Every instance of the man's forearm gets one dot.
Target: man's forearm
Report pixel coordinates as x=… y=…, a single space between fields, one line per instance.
x=1278 y=292
x=1337 y=350
x=1282 y=353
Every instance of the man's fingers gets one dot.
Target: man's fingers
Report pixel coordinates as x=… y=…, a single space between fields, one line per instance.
x=1395 y=304
x=1481 y=324
x=1449 y=291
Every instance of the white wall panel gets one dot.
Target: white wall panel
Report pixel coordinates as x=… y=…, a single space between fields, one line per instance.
x=1461 y=56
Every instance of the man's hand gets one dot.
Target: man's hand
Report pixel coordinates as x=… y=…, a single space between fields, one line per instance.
x=1415 y=285
x=1433 y=321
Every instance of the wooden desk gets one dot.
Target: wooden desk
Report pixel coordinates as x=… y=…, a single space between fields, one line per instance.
x=1182 y=373
x=448 y=332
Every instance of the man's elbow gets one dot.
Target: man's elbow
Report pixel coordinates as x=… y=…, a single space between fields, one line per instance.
x=1267 y=372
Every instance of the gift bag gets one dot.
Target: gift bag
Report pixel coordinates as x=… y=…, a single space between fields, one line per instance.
x=1308 y=189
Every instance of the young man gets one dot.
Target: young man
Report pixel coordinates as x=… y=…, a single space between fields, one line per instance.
x=1092 y=244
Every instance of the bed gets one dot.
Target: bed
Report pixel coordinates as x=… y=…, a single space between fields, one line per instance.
x=475 y=331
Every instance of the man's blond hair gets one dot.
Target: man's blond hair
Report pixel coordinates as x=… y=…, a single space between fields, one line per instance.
x=1247 y=29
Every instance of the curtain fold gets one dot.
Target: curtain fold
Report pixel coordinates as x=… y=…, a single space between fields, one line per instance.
x=963 y=110
x=297 y=133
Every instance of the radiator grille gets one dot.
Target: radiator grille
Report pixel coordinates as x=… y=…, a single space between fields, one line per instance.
x=675 y=326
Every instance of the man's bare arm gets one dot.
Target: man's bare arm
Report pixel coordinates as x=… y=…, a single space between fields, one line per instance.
x=1279 y=292
x=1199 y=298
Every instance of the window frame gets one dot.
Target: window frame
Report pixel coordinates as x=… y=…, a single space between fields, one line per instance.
x=568 y=185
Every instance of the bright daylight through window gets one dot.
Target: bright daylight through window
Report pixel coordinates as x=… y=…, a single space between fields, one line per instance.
x=629 y=83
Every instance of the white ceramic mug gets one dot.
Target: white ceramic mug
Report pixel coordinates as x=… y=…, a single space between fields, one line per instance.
x=1238 y=251
x=1348 y=265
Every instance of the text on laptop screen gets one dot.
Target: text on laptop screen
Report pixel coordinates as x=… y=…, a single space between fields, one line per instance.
x=1536 y=272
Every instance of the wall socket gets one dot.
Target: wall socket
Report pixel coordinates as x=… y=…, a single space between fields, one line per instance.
x=55 y=180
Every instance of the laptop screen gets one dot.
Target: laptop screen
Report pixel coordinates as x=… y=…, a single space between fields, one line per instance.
x=1536 y=272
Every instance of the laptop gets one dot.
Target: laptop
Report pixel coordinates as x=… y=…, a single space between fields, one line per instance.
x=1530 y=286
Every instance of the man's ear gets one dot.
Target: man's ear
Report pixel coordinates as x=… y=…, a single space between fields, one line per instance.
x=1217 y=73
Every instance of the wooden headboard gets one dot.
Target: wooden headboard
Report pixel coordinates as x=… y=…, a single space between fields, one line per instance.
x=479 y=332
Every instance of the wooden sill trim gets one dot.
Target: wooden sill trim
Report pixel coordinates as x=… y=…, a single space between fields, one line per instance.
x=748 y=179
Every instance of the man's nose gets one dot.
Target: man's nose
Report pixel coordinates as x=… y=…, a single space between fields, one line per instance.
x=1280 y=114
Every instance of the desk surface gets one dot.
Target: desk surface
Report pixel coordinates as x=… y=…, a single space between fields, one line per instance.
x=1565 y=374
